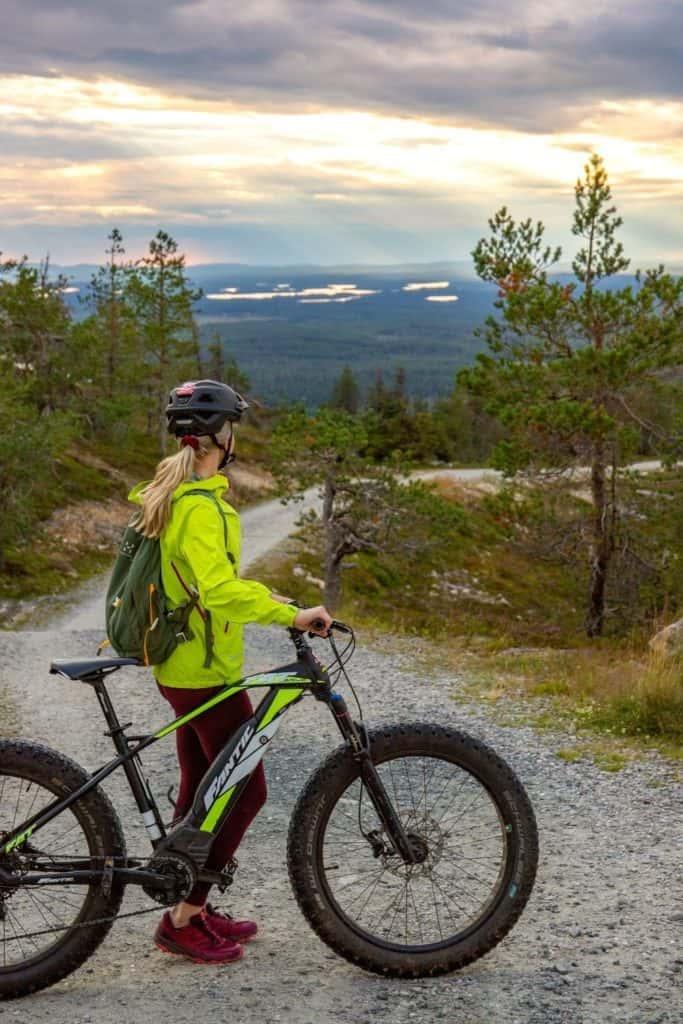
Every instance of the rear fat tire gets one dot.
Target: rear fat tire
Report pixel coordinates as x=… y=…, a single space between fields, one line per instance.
x=326 y=786
x=100 y=824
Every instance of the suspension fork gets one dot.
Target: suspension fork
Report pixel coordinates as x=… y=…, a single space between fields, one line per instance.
x=358 y=741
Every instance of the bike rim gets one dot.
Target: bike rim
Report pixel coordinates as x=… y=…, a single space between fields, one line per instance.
x=54 y=910
x=457 y=823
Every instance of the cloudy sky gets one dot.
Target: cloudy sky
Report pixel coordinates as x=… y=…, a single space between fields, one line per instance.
x=279 y=131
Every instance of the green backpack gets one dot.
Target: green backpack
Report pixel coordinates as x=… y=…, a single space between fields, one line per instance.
x=139 y=624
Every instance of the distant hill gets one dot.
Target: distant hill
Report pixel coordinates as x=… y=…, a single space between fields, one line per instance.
x=292 y=329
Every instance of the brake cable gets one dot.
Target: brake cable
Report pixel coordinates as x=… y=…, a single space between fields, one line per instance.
x=342 y=658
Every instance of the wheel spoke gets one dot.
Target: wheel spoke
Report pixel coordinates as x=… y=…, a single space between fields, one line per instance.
x=36 y=917
x=453 y=822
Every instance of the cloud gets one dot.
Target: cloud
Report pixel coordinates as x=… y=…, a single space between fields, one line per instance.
x=441 y=59
x=385 y=129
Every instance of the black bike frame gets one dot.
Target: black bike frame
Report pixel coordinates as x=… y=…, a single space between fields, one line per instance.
x=223 y=782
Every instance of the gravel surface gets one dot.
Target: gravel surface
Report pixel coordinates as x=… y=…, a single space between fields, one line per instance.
x=599 y=941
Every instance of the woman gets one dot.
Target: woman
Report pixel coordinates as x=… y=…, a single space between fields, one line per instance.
x=200 y=547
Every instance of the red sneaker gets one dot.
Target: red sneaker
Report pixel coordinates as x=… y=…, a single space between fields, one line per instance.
x=196 y=941
x=226 y=927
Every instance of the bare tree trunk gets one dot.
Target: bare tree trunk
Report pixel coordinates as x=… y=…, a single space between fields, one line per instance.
x=332 y=595
x=601 y=545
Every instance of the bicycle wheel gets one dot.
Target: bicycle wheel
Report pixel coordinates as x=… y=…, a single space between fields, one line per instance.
x=44 y=931
x=466 y=814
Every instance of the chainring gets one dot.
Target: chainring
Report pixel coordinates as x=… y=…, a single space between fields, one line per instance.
x=180 y=871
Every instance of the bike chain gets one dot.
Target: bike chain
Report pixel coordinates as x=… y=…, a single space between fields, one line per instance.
x=84 y=924
x=102 y=920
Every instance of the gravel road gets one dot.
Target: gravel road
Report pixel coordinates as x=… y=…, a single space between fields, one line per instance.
x=599 y=942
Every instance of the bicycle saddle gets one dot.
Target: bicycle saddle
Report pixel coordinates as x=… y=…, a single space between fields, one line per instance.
x=86 y=669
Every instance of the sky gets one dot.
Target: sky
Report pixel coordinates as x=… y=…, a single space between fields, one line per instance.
x=370 y=131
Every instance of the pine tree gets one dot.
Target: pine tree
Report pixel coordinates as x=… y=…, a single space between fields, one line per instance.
x=106 y=295
x=37 y=340
x=345 y=393
x=162 y=298
x=215 y=365
x=568 y=358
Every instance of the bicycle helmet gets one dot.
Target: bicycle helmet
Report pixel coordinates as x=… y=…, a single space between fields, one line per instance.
x=201 y=408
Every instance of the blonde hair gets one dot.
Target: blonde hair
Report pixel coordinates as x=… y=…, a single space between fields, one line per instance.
x=157 y=496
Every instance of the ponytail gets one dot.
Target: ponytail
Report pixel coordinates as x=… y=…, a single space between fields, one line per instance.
x=172 y=471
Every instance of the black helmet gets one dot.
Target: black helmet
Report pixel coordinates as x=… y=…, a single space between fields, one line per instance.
x=201 y=408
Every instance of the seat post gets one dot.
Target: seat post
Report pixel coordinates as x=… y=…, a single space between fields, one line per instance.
x=109 y=712
x=132 y=766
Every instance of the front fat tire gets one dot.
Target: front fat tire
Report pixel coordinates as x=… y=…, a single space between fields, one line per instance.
x=101 y=826
x=315 y=805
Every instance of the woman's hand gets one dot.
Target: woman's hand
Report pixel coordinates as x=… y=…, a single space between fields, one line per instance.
x=307 y=616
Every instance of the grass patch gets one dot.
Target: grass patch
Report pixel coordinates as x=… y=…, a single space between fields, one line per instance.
x=613 y=690
x=511 y=622
x=605 y=758
x=48 y=569
x=610 y=760
x=570 y=754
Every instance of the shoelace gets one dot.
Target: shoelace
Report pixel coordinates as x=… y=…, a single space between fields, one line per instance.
x=203 y=926
x=208 y=908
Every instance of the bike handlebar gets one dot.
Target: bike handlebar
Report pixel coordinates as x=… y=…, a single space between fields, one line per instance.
x=340 y=627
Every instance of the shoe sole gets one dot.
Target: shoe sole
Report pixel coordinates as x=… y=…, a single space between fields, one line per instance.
x=195 y=959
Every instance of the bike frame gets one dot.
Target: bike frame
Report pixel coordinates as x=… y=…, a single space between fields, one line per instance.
x=223 y=782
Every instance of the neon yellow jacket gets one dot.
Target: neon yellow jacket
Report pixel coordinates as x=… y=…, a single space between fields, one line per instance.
x=193 y=542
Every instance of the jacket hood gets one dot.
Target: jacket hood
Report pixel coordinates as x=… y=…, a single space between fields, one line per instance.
x=217 y=483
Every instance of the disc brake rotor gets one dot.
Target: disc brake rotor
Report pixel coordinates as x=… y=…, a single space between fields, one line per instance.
x=427 y=840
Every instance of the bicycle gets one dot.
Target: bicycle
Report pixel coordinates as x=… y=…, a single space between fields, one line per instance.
x=412 y=848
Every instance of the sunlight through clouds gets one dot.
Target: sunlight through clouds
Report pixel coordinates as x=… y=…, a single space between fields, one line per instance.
x=168 y=159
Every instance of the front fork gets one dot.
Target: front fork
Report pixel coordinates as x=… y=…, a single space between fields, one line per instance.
x=360 y=747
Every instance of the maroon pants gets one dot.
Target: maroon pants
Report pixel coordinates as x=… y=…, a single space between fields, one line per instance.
x=198 y=743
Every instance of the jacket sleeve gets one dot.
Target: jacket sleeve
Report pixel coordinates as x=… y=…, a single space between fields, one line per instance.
x=220 y=590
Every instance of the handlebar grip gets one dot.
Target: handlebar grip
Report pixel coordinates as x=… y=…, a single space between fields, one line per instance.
x=317 y=624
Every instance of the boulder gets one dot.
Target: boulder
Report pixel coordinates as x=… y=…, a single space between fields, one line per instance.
x=669 y=641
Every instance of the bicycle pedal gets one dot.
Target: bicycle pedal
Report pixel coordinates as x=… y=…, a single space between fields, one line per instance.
x=107 y=875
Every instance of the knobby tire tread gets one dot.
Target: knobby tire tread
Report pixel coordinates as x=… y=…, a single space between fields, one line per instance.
x=99 y=822
x=321 y=914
